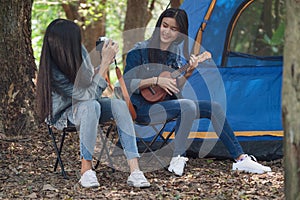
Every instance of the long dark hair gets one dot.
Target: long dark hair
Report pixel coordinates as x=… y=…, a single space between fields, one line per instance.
x=181 y=18
x=62 y=50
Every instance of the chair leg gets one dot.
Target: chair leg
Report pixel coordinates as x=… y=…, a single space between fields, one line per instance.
x=148 y=147
x=105 y=148
x=167 y=138
x=158 y=134
x=60 y=148
x=57 y=153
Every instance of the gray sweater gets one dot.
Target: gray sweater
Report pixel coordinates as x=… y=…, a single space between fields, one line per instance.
x=88 y=86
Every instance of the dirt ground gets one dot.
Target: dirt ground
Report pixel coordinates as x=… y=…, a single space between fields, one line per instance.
x=27 y=173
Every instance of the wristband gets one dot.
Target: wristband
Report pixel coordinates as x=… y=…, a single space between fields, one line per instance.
x=152 y=81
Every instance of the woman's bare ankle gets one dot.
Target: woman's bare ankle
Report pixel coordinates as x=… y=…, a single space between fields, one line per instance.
x=85 y=165
x=133 y=164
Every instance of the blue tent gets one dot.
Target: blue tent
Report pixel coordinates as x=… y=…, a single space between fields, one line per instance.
x=248 y=87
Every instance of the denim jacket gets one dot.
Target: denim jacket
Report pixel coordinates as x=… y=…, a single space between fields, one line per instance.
x=88 y=86
x=138 y=68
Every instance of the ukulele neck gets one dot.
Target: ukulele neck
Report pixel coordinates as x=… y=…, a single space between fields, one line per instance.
x=177 y=73
x=200 y=58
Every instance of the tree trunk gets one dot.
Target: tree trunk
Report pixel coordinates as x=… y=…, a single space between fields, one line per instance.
x=137 y=17
x=17 y=68
x=267 y=17
x=92 y=27
x=291 y=101
x=176 y=3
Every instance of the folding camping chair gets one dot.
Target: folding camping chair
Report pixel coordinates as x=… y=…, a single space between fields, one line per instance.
x=72 y=129
x=159 y=134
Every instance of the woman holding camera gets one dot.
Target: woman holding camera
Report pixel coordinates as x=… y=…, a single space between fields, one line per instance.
x=69 y=89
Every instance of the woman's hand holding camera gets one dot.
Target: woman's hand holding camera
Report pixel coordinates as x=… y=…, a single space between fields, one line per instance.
x=108 y=54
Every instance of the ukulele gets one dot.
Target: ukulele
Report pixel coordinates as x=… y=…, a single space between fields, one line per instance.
x=155 y=93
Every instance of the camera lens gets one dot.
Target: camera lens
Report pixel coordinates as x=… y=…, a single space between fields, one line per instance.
x=100 y=42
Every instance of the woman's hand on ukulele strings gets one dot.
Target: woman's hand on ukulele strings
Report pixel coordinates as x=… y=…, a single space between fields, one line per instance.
x=193 y=62
x=168 y=84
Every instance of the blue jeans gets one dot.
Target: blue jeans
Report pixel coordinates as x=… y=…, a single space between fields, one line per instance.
x=88 y=114
x=185 y=111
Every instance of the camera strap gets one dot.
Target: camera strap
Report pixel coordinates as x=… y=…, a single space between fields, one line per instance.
x=125 y=92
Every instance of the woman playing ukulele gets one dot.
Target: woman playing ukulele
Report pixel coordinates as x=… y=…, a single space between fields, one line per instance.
x=146 y=65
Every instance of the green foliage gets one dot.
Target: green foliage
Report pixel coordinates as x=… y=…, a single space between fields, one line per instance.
x=277 y=38
x=91 y=11
x=209 y=161
x=278 y=35
x=43 y=12
x=253 y=35
x=115 y=18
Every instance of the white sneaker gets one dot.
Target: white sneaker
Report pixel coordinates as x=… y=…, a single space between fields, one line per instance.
x=89 y=179
x=250 y=164
x=177 y=165
x=137 y=179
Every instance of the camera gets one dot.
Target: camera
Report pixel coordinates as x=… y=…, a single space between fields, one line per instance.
x=100 y=42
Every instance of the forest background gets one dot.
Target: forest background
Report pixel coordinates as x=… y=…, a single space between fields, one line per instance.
x=21 y=33
x=98 y=18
